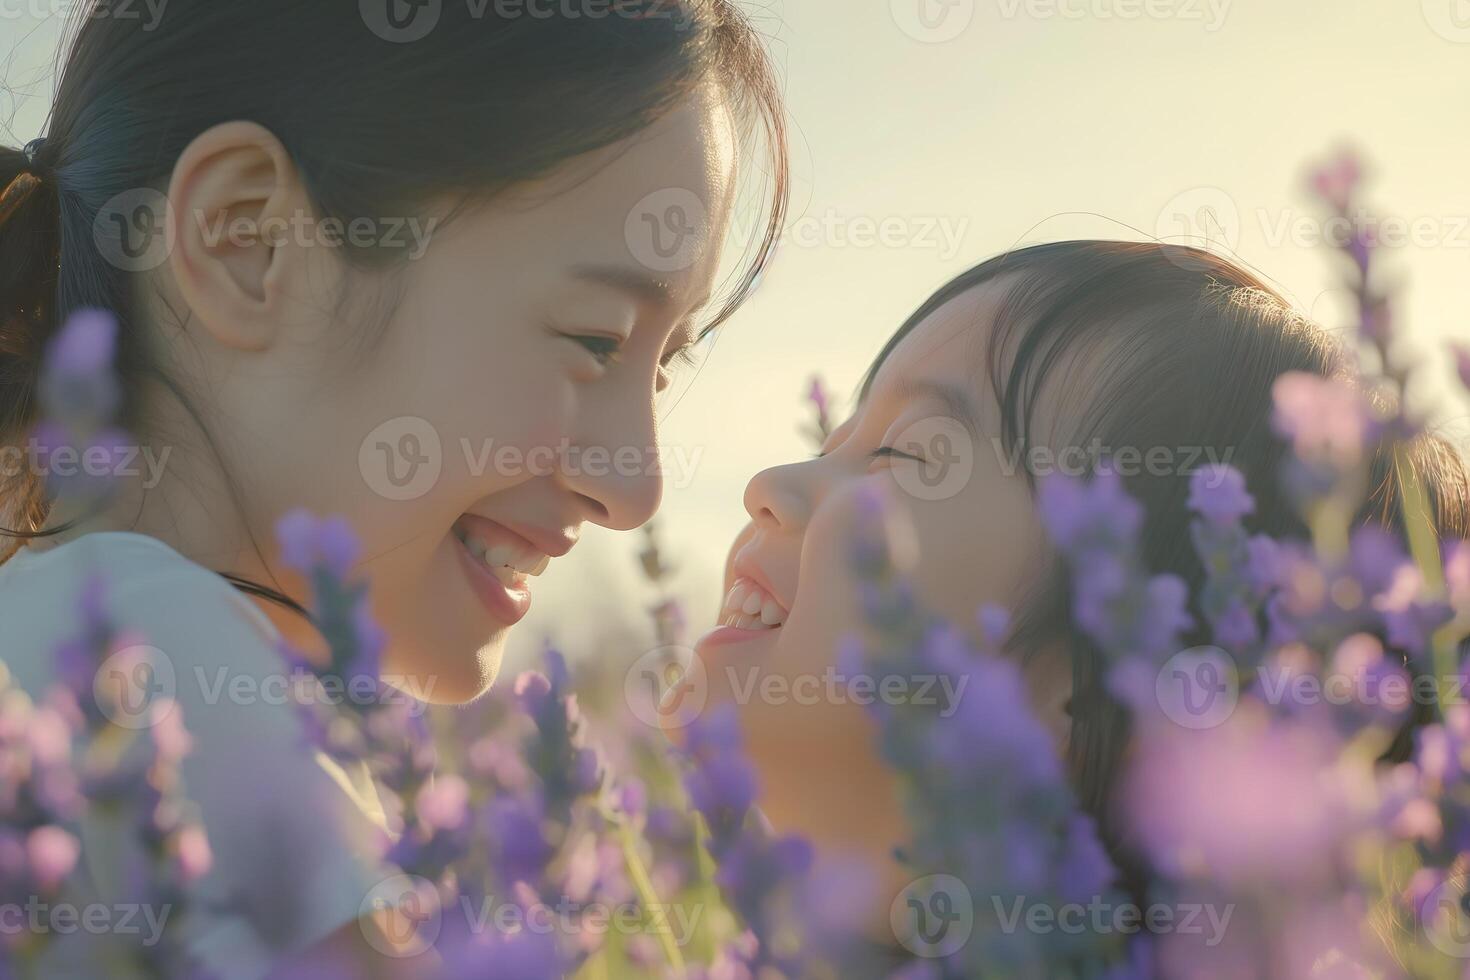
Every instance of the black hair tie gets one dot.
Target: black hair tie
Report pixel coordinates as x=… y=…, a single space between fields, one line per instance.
x=33 y=149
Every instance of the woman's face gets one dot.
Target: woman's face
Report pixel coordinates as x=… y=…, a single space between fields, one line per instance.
x=924 y=435
x=508 y=400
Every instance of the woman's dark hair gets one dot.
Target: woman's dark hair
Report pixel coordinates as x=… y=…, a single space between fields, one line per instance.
x=379 y=114
x=1193 y=345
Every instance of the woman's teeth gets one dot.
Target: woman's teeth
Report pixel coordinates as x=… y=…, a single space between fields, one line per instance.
x=749 y=607
x=508 y=564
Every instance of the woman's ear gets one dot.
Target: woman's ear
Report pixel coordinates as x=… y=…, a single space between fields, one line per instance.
x=237 y=207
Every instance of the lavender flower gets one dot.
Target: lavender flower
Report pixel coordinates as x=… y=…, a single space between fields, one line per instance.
x=989 y=802
x=821 y=403
x=1095 y=526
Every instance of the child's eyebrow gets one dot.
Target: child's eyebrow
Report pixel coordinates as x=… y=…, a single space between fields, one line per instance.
x=956 y=399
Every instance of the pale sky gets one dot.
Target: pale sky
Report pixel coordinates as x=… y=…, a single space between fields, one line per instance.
x=990 y=123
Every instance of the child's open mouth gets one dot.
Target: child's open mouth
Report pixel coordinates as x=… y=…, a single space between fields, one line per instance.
x=751 y=607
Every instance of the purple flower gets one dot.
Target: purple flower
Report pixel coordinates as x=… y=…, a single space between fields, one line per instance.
x=1217 y=493
x=515 y=826
x=1325 y=418
x=1375 y=559
x=444 y=804
x=1461 y=354
x=1410 y=619
x=491 y=955
x=84 y=345
x=1086 y=871
x=52 y=854
x=817 y=394
x=1165 y=614
x=310 y=544
x=1337 y=180
x=1248 y=800
x=1381 y=684
x=1263 y=565
x=993 y=730
x=1236 y=627
x=714 y=732
x=722 y=787
x=1443 y=749
x=533 y=689
x=1087 y=516
x=995 y=626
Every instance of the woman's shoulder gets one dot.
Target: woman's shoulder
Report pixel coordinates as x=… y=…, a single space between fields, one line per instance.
x=144 y=588
x=252 y=775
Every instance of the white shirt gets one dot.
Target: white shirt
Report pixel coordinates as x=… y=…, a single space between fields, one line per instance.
x=293 y=836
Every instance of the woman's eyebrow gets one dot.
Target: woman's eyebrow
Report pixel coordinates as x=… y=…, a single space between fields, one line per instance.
x=641 y=286
x=645 y=288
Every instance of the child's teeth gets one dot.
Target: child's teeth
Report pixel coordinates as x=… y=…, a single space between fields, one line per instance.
x=736 y=598
x=770 y=613
x=476 y=547
x=540 y=566
x=505 y=574
x=752 y=604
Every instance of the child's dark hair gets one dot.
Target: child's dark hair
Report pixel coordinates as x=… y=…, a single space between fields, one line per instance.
x=377 y=124
x=1195 y=344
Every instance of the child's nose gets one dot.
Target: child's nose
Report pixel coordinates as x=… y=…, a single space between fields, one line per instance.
x=779 y=498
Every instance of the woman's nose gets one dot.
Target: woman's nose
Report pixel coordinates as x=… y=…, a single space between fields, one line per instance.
x=616 y=467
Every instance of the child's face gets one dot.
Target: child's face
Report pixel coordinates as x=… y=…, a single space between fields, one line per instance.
x=479 y=412
x=978 y=539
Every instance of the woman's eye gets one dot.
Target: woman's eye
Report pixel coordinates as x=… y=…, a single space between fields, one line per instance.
x=888 y=452
x=678 y=357
x=604 y=349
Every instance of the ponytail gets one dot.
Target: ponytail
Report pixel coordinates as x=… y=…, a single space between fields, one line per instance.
x=30 y=247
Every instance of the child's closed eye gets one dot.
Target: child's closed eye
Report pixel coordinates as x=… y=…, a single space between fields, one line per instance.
x=891 y=452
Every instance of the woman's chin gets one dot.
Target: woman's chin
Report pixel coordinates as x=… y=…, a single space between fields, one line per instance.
x=445 y=680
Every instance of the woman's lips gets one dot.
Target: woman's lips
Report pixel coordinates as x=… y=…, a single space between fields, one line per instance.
x=508 y=602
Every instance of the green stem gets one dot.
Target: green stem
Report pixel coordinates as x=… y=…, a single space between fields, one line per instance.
x=1424 y=547
x=646 y=893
